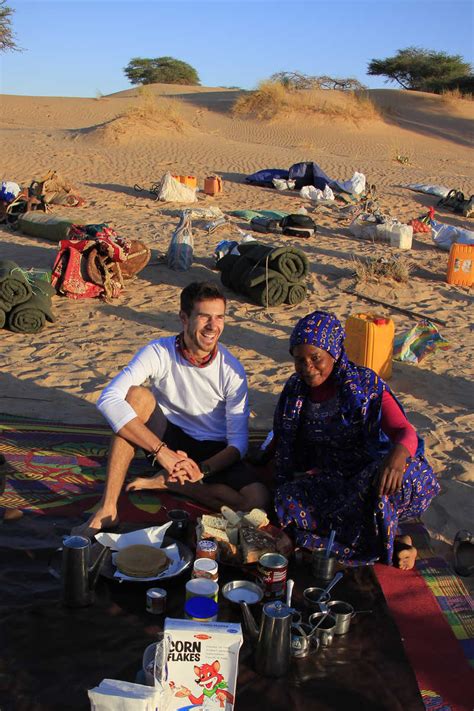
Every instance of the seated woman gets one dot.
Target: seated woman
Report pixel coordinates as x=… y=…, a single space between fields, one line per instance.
x=346 y=457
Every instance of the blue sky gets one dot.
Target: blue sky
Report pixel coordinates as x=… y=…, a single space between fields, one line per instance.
x=80 y=48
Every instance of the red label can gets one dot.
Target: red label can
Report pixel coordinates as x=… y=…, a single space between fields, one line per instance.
x=271 y=571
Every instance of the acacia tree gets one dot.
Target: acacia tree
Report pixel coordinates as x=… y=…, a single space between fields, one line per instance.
x=421 y=69
x=7 y=41
x=163 y=70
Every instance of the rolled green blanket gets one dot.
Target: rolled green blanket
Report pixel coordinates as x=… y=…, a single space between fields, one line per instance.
x=225 y=265
x=14 y=286
x=258 y=283
x=296 y=294
x=31 y=316
x=3 y=318
x=291 y=262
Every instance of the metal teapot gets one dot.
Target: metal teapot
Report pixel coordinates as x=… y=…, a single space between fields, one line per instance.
x=273 y=639
x=78 y=579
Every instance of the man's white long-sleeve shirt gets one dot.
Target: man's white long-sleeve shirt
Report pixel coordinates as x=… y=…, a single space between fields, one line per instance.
x=209 y=403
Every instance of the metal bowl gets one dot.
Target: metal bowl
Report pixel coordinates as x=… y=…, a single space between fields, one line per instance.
x=242 y=591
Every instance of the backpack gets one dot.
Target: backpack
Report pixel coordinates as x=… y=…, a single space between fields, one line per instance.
x=266 y=224
x=298 y=225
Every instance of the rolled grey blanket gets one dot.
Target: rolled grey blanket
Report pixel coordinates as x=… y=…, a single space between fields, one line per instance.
x=14 y=286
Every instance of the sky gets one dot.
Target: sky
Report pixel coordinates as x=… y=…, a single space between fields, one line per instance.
x=80 y=48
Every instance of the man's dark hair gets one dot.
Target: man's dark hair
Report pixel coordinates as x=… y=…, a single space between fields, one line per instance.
x=199 y=291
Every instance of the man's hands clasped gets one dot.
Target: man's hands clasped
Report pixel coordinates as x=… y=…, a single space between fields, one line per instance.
x=178 y=466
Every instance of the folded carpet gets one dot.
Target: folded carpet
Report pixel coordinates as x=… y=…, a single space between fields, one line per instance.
x=290 y=262
x=14 y=285
x=31 y=316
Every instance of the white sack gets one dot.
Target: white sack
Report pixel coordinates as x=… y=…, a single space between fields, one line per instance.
x=171 y=190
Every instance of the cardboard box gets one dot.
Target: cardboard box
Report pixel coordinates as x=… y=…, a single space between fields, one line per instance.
x=202 y=665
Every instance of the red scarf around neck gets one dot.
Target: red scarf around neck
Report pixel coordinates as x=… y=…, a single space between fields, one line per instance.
x=187 y=355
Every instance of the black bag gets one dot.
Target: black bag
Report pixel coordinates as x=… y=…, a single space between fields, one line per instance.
x=266 y=224
x=298 y=225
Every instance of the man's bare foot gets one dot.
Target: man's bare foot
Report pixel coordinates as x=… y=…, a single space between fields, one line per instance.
x=157 y=481
x=404 y=553
x=97 y=522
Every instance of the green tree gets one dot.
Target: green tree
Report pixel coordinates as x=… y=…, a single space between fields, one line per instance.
x=163 y=70
x=421 y=69
x=7 y=40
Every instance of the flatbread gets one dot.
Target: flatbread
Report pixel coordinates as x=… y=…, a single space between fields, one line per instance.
x=141 y=561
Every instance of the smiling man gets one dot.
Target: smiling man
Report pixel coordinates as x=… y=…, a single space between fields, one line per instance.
x=192 y=422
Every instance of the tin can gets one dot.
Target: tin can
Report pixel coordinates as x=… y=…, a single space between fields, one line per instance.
x=206 y=549
x=156 y=601
x=271 y=571
x=206 y=568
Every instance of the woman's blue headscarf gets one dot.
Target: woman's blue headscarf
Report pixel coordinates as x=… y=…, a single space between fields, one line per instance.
x=320 y=329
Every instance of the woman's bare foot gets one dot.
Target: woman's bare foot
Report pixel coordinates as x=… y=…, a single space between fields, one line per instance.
x=404 y=553
x=97 y=522
x=157 y=481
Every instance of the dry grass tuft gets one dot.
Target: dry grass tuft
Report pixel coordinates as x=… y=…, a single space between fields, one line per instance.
x=272 y=100
x=151 y=110
x=376 y=269
x=454 y=96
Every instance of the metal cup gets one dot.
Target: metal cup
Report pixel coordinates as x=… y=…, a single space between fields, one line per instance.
x=322 y=568
x=325 y=629
x=343 y=614
x=303 y=641
x=312 y=602
x=180 y=522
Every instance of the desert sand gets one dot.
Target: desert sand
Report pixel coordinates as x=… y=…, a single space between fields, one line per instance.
x=58 y=373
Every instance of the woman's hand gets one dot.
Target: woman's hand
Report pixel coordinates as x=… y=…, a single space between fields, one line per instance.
x=392 y=470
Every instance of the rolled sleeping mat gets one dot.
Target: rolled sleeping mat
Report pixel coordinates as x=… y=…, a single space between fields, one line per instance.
x=296 y=294
x=3 y=318
x=14 y=285
x=44 y=225
x=31 y=316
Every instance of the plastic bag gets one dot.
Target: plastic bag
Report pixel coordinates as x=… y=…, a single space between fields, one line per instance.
x=445 y=235
x=180 y=250
x=171 y=190
x=116 y=695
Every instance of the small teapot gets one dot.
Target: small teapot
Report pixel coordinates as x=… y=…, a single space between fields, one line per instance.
x=273 y=639
x=78 y=579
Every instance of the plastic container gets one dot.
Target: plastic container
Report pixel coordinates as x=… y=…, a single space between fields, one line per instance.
x=189 y=180
x=401 y=236
x=213 y=185
x=202 y=587
x=201 y=609
x=461 y=264
x=369 y=342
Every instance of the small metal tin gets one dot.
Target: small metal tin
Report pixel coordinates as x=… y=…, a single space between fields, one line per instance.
x=272 y=569
x=156 y=601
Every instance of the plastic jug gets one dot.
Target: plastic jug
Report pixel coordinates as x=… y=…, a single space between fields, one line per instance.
x=189 y=180
x=401 y=236
x=213 y=185
x=461 y=264
x=369 y=342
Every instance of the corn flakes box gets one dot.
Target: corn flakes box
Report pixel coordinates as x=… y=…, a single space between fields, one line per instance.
x=200 y=665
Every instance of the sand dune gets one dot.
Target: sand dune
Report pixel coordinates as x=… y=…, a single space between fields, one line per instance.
x=105 y=150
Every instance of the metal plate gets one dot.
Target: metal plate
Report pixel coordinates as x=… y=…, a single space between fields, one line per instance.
x=108 y=568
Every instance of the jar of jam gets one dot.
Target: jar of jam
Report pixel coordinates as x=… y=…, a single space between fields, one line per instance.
x=206 y=568
x=206 y=549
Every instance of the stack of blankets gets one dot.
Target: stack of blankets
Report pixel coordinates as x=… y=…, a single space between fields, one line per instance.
x=25 y=299
x=268 y=275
